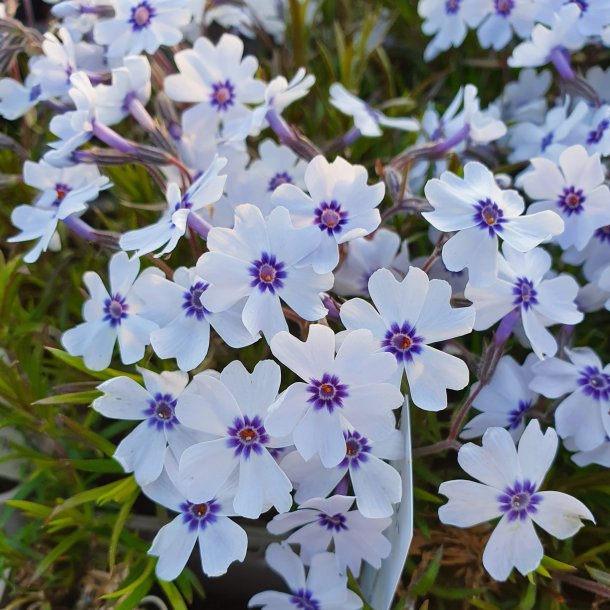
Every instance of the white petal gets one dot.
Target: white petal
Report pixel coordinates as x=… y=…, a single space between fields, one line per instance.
x=512 y=544
x=430 y=374
x=495 y=463
x=173 y=546
x=123 y=398
x=536 y=452
x=220 y=544
x=320 y=432
x=142 y=452
x=469 y=504
x=560 y=514
x=377 y=486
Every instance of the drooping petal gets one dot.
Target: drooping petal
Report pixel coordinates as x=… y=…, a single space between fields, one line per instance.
x=220 y=544
x=173 y=546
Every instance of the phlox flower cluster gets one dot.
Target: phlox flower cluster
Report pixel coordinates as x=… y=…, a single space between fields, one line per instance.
x=293 y=250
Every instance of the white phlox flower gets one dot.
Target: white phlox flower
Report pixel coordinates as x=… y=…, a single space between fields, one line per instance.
x=320 y=522
x=349 y=389
x=505 y=18
x=112 y=316
x=506 y=400
x=130 y=81
x=409 y=315
x=584 y=415
x=521 y=285
x=575 y=189
x=141 y=25
x=263 y=260
x=340 y=204
x=367 y=119
x=279 y=94
x=562 y=37
x=217 y=79
x=221 y=541
x=376 y=484
x=165 y=234
x=481 y=212
x=144 y=449
x=365 y=256
x=184 y=323
x=324 y=588
x=550 y=138
x=232 y=410
x=510 y=489
x=17 y=98
x=64 y=192
x=448 y=21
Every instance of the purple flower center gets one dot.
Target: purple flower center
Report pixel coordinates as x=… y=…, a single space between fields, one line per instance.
x=571 y=200
x=595 y=383
x=192 y=301
x=61 y=190
x=452 y=7
x=329 y=217
x=402 y=341
x=268 y=273
x=603 y=233
x=525 y=293
x=519 y=501
x=115 y=310
x=327 y=393
x=515 y=417
x=160 y=412
x=489 y=216
x=197 y=516
x=141 y=16
x=334 y=522
x=247 y=435
x=303 y=599
x=35 y=92
x=278 y=179
x=223 y=95
x=356 y=449
x=597 y=134
x=504 y=7
x=546 y=141
x=184 y=203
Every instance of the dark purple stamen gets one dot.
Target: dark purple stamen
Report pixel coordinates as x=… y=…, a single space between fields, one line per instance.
x=581 y=4
x=452 y=6
x=504 y=7
x=402 y=341
x=603 y=234
x=515 y=417
x=597 y=134
x=160 y=412
x=489 y=217
x=525 y=293
x=334 y=522
x=192 y=301
x=571 y=200
x=356 y=449
x=247 y=435
x=197 y=516
x=595 y=383
x=35 y=92
x=115 y=310
x=141 y=16
x=303 y=599
x=268 y=273
x=278 y=179
x=519 y=501
x=546 y=141
x=327 y=393
x=329 y=217
x=223 y=95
